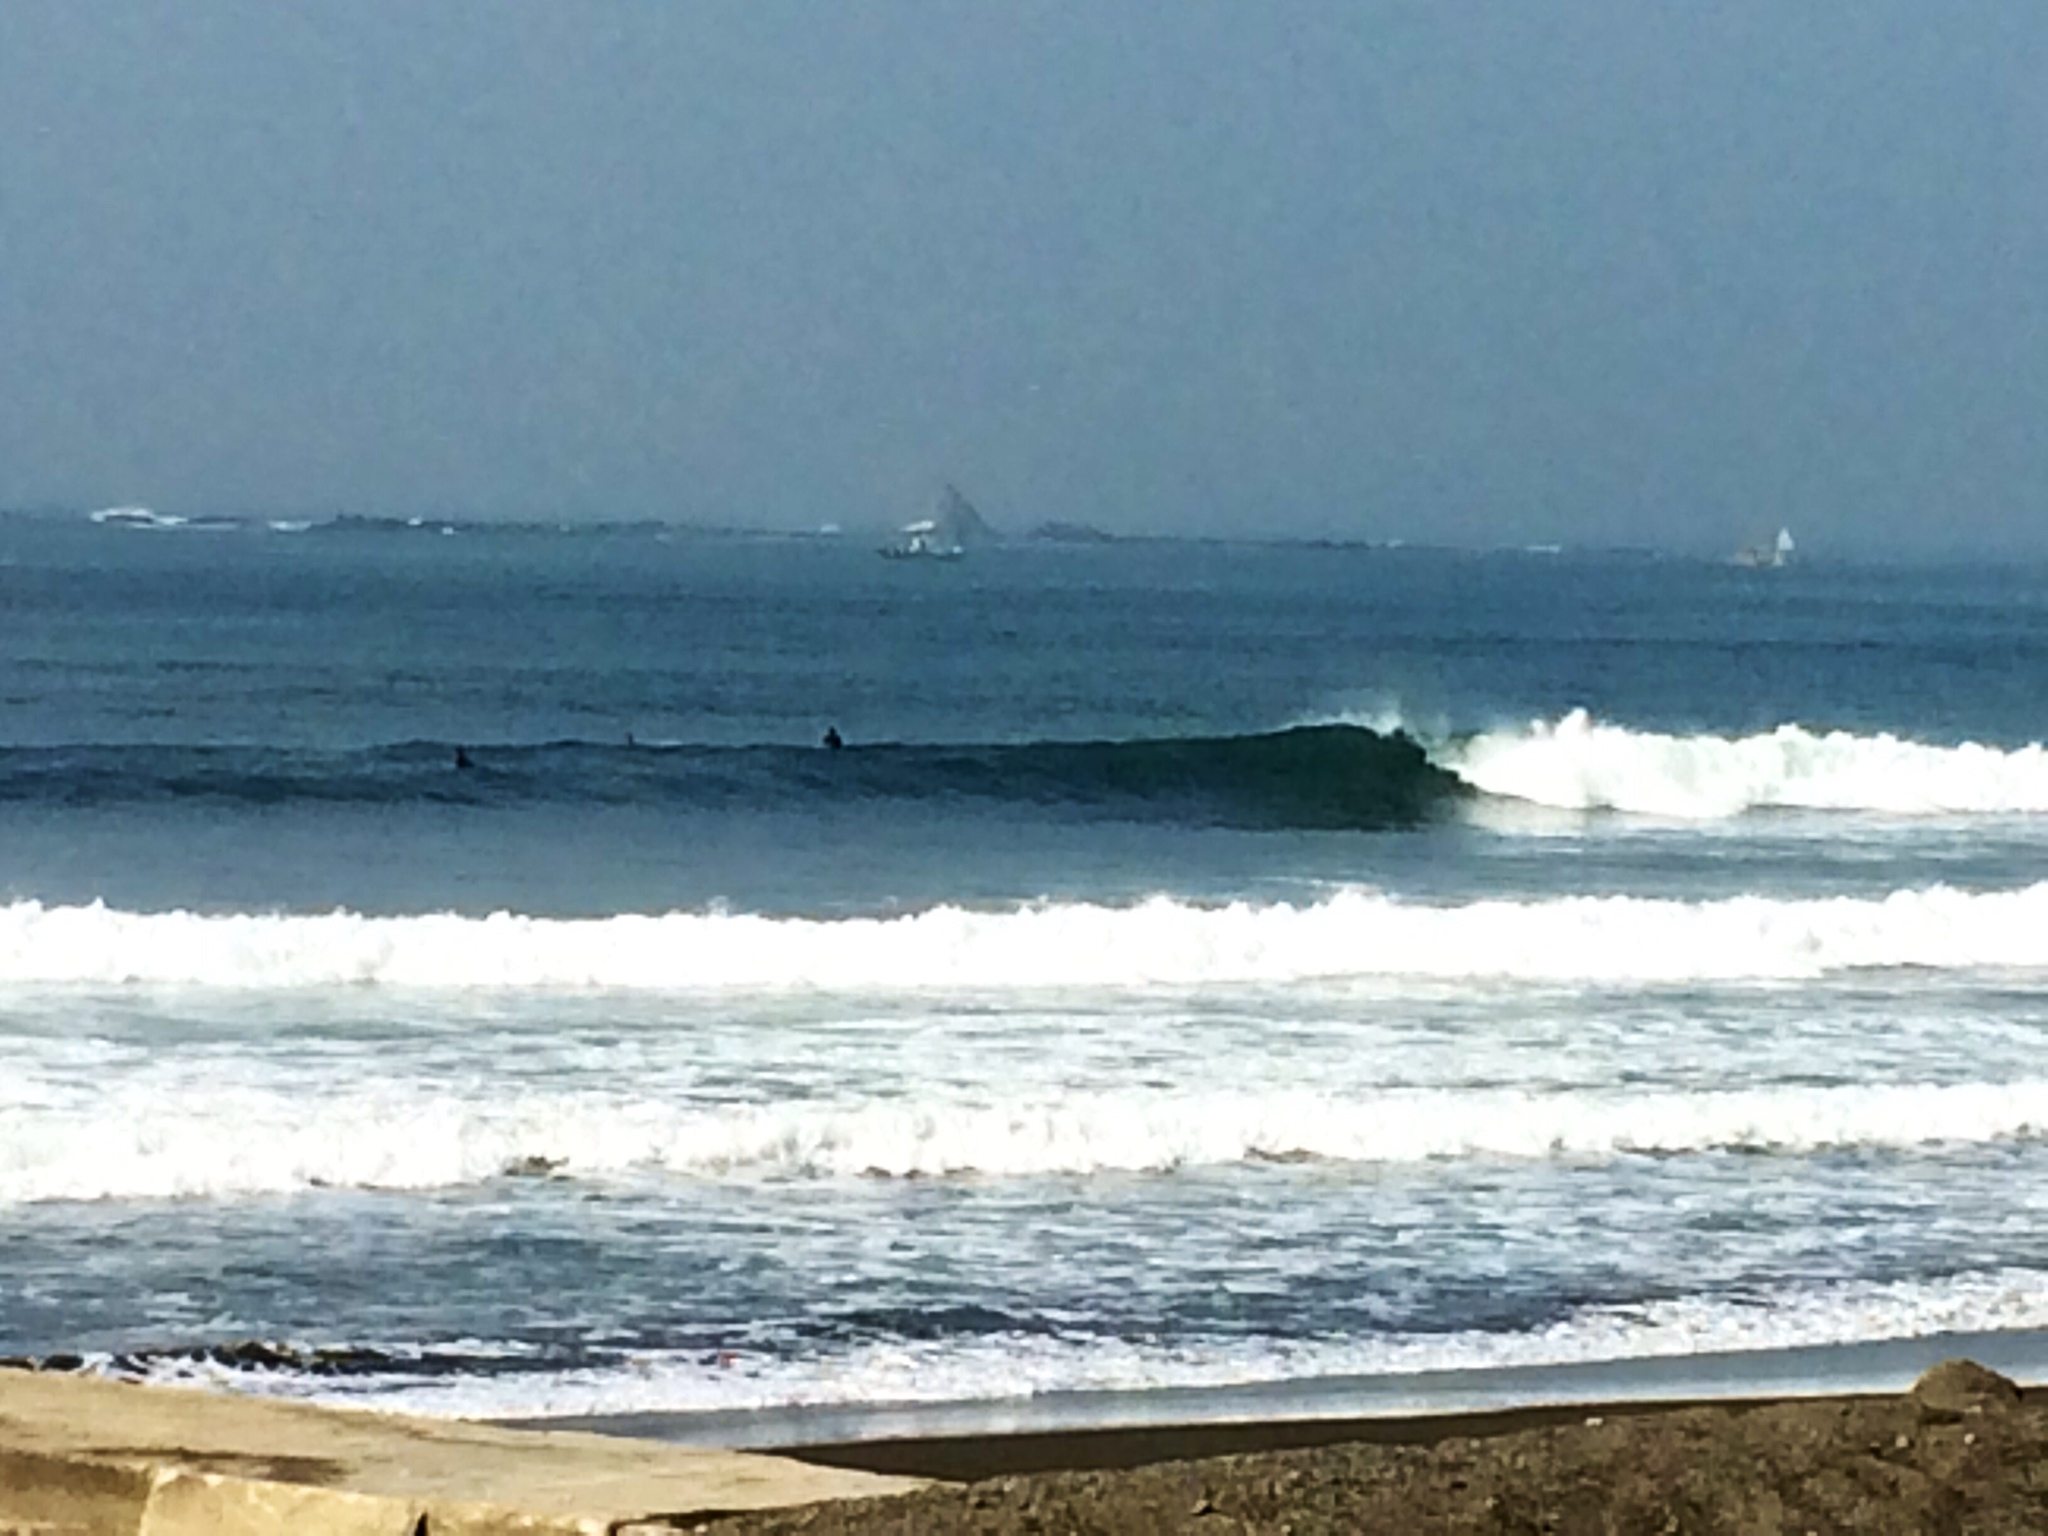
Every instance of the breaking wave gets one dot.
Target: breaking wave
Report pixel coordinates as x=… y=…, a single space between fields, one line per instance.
x=1335 y=776
x=1328 y=776
x=1352 y=935
x=137 y=1142
x=1579 y=763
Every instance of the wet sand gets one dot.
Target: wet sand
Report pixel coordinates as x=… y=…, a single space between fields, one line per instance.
x=1964 y=1451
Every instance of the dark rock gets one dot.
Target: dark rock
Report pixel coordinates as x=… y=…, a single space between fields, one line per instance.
x=532 y=1167
x=346 y=1360
x=254 y=1353
x=1957 y=1387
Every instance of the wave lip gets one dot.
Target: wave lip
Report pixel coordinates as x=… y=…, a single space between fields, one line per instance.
x=140 y=1142
x=1353 y=935
x=1579 y=763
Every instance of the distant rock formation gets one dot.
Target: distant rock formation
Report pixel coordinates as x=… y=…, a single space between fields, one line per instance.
x=1071 y=533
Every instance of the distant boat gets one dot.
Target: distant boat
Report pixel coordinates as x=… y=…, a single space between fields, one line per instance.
x=1769 y=557
x=945 y=535
x=924 y=541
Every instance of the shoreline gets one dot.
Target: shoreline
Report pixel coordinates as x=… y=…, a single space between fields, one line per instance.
x=1255 y=1411
x=1963 y=1450
x=976 y=1458
x=1964 y=1441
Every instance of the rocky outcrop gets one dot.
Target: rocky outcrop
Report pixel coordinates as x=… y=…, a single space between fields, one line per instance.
x=1957 y=1389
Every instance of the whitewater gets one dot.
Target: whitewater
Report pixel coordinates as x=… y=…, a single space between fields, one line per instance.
x=1161 y=942
x=247 y=1141
x=1063 y=1370
x=1578 y=763
x=1124 y=1012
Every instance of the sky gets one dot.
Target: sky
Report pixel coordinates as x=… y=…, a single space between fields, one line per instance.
x=1480 y=273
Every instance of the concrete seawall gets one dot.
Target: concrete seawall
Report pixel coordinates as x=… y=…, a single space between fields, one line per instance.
x=81 y=1457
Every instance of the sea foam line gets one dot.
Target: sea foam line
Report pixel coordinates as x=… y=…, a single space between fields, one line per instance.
x=983 y=1368
x=138 y=1141
x=1353 y=934
x=1579 y=763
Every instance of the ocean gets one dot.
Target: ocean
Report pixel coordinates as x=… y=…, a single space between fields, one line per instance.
x=1206 y=968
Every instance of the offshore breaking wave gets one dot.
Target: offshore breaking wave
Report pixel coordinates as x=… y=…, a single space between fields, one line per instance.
x=1320 y=776
x=143 y=1143
x=1352 y=935
x=1579 y=763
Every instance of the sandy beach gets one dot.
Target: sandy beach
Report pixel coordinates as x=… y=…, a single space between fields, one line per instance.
x=1964 y=1451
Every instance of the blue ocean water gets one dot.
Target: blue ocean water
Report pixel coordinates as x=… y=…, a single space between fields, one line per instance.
x=1205 y=964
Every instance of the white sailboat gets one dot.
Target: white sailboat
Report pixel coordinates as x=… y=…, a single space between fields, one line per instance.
x=1773 y=556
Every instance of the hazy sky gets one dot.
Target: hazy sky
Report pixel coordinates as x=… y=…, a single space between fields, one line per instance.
x=1608 y=270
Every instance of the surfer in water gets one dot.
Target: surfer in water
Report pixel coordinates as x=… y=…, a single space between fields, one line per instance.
x=462 y=758
x=833 y=740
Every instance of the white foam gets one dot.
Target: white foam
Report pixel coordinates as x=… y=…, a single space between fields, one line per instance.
x=156 y=1139
x=1011 y=1366
x=1351 y=935
x=1579 y=763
